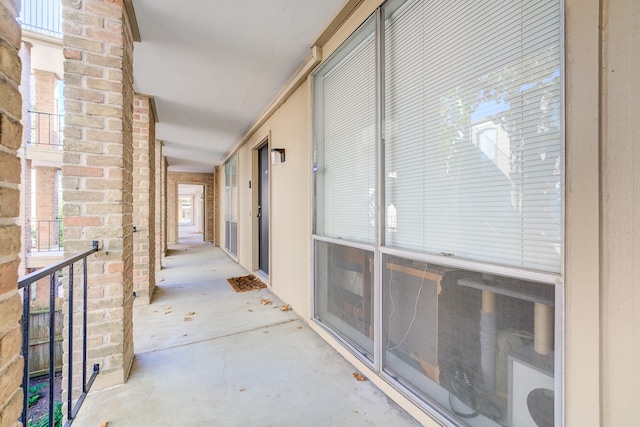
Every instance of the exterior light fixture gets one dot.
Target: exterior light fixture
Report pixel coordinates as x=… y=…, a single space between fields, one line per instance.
x=277 y=155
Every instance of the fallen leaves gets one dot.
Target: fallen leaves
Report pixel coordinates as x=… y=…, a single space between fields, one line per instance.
x=191 y=313
x=103 y=424
x=265 y=301
x=359 y=376
x=250 y=310
x=299 y=327
x=187 y=319
x=167 y=310
x=285 y=307
x=242 y=389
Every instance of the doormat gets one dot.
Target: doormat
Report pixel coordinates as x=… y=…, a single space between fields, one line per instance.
x=246 y=283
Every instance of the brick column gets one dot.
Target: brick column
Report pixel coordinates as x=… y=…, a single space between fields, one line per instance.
x=46 y=209
x=157 y=176
x=97 y=171
x=25 y=177
x=10 y=236
x=165 y=198
x=144 y=199
x=216 y=207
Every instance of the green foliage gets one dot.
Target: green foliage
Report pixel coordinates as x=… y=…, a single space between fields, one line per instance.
x=35 y=394
x=43 y=421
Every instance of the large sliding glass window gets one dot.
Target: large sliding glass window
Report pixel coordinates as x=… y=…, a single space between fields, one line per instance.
x=231 y=204
x=473 y=136
x=345 y=189
x=463 y=277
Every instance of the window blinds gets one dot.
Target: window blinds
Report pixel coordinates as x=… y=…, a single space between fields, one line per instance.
x=473 y=130
x=345 y=90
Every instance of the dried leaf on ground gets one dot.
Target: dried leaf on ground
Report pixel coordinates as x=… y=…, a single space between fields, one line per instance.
x=265 y=301
x=250 y=310
x=191 y=313
x=187 y=319
x=103 y=424
x=184 y=335
x=167 y=312
x=299 y=327
x=285 y=307
x=359 y=377
x=242 y=389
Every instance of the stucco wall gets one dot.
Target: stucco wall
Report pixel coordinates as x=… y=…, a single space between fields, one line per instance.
x=620 y=207
x=600 y=298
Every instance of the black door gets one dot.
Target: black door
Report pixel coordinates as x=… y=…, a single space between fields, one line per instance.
x=263 y=209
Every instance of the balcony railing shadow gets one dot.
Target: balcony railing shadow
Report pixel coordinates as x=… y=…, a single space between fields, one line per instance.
x=49 y=327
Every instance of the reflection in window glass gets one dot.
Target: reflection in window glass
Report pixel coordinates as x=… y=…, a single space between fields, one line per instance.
x=344 y=293
x=475 y=344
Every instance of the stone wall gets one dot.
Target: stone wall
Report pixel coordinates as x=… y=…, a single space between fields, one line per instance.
x=11 y=362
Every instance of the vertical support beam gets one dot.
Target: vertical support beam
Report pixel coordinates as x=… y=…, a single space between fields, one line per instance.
x=97 y=170
x=11 y=364
x=620 y=211
x=163 y=176
x=25 y=177
x=582 y=241
x=144 y=199
x=157 y=176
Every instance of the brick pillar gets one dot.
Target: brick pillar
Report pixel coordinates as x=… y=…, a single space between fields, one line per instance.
x=97 y=171
x=45 y=102
x=144 y=199
x=46 y=209
x=25 y=177
x=10 y=236
x=163 y=176
x=216 y=207
x=157 y=176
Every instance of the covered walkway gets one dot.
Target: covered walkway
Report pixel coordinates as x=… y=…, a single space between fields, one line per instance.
x=207 y=356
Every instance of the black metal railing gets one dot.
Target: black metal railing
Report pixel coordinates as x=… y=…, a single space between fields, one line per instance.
x=25 y=284
x=46 y=129
x=42 y=16
x=47 y=235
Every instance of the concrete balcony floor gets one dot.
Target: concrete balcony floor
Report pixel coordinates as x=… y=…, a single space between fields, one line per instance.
x=236 y=362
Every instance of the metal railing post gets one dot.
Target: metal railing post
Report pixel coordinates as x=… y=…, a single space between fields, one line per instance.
x=25 y=285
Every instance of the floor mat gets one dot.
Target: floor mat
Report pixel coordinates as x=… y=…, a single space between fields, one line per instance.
x=246 y=283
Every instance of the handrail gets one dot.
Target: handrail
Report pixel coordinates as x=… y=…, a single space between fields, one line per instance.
x=24 y=284
x=42 y=16
x=47 y=244
x=44 y=272
x=49 y=124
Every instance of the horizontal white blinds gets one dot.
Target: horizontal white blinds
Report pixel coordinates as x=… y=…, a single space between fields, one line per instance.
x=346 y=173
x=473 y=130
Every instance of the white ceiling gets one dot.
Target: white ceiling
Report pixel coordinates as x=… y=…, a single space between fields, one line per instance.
x=214 y=65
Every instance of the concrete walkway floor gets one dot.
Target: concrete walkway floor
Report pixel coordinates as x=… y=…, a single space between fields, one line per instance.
x=207 y=356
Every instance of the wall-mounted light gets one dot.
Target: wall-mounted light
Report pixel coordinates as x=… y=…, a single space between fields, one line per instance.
x=277 y=155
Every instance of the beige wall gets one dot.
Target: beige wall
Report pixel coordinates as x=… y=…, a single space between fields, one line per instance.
x=620 y=207
x=290 y=201
x=601 y=299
